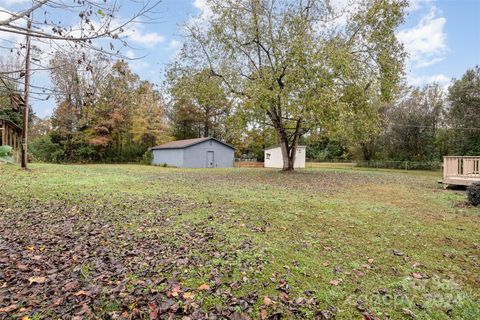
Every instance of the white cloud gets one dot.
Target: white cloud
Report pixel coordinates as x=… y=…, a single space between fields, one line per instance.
x=415 y=5
x=147 y=39
x=422 y=80
x=130 y=54
x=425 y=43
x=204 y=7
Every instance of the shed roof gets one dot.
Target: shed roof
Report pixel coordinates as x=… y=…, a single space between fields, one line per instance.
x=181 y=144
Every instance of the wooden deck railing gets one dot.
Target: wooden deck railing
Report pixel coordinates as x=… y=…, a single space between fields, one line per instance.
x=462 y=167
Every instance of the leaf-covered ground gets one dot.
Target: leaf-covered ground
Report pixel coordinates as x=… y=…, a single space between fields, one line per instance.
x=141 y=242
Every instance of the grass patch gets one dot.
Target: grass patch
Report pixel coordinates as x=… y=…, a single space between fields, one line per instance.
x=322 y=240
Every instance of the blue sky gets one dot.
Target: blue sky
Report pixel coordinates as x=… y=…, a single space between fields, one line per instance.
x=441 y=37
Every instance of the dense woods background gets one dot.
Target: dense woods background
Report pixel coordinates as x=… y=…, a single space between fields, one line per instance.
x=106 y=113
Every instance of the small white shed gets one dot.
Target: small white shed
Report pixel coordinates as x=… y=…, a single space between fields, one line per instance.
x=273 y=157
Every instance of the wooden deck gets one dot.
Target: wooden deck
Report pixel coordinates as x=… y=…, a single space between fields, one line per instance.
x=461 y=171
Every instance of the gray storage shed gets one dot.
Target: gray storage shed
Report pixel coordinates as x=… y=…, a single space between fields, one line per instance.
x=194 y=153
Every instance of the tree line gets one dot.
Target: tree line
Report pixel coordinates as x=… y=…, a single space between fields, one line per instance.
x=119 y=117
x=258 y=73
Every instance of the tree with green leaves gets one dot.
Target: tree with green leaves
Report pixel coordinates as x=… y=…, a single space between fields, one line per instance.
x=104 y=112
x=413 y=123
x=290 y=61
x=463 y=114
x=199 y=102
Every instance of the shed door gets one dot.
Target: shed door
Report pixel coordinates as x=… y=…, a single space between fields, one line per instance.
x=210 y=159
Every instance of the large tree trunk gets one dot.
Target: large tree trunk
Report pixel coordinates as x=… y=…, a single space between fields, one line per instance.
x=289 y=152
x=288 y=146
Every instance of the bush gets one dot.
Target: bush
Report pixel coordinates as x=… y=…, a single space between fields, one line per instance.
x=5 y=154
x=473 y=193
x=147 y=157
x=43 y=149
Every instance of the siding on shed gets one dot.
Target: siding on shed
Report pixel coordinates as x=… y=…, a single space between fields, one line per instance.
x=275 y=159
x=172 y=157
x=196 y=156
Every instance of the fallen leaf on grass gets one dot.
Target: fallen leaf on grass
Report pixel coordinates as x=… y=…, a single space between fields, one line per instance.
x=175 y=291
x=326 y=264
x=418 y=275
x=188 y=295
x=325 y=315
x=408 y=312
x=154 y=310
x=370 y=260
x=397 y=252
x=81 y=293
x=71 y=285
x=368 y=316
x=283 y=296
x=37 y=280
x=263 y=314
x=334 y=282
x=358 y=273
x=267 y=301
x=57 y=302
x=9 y=308
x=204 y=287
x=22 y=267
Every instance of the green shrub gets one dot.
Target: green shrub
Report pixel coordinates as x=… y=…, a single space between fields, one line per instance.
x=473 y=194
x=147 y=157
x=43 y=149
x=5 y=154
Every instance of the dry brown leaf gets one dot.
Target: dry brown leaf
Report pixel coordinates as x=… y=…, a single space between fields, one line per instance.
x=334 y=282
x=22 y=267
x=283 y=296
x=188 y=295
x=204 y=287
x=263 y=314
x=81 y=293
x=175 y=291
x=37 y=280
x=9 y=308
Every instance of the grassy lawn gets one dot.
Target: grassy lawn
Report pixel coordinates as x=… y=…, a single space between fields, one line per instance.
x=119 y=241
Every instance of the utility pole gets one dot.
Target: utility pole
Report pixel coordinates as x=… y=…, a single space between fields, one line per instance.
x=25 y=97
